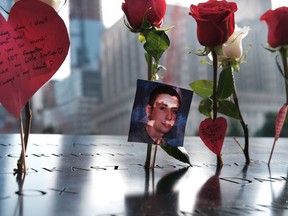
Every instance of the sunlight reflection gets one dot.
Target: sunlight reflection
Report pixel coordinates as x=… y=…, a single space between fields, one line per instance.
x=187 y=198
x=270 y=190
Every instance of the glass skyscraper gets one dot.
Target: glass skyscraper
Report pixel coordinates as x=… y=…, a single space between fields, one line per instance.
x=79 y=93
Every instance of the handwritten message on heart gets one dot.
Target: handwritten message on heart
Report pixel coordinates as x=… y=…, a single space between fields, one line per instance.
x=34 y=43
x=213 y=133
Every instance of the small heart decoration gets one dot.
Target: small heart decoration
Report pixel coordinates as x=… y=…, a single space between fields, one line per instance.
x=213 y=133
x=280 y=120
x=34 y=43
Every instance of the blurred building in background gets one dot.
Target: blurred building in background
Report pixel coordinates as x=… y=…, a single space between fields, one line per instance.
x=98 y=95
x=260 y=86
x=8 y=123
x=77 y=95
x=67 y=106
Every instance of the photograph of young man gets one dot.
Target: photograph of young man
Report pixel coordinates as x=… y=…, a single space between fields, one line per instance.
x=161 y=109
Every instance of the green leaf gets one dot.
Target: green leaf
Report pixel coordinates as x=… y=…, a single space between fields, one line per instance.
x=178 y=153
x=141 y=38
x=145 y=23
x=243 y=58
x=203 y=88
x=225 y=84
x=236 y=67
x=156 y=44
x=204 y=61
x=206 y=107
x=271 y=49
x=229 y=109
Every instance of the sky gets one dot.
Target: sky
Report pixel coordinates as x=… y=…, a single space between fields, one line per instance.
x=111 y=12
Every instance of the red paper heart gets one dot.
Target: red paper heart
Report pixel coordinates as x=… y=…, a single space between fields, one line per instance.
x=213 y=133
x=33 y=45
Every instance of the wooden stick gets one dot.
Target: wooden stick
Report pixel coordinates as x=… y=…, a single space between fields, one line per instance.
x=23 y=152
x=219 y=161
x=28 y=122
x=271 y=153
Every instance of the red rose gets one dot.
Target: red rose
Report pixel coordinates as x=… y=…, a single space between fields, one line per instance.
x=136 y=10
x=215 y=21
x=277 y=22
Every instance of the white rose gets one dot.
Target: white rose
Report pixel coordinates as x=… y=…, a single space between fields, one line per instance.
x=232 y=48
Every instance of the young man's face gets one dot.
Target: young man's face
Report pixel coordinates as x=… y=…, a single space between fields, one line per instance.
x=163 y=114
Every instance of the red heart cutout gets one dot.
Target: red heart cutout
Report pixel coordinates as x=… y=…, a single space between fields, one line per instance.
x=213 y=133
x=33 y=45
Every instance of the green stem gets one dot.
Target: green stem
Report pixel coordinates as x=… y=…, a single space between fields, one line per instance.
x=214 y=98
x=148 y=155
x=28 y=121
x=149 y=145
x=215 y=75
x=149 y=71
x=285 y=67
x=242 y=122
